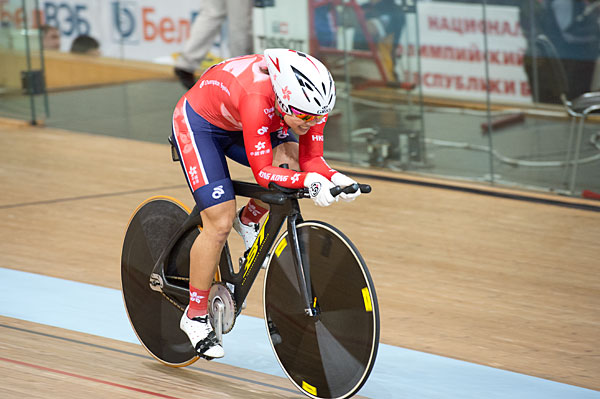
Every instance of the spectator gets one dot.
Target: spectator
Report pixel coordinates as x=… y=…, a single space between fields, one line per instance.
x=385 y=21
x=50 y=37
x=205 y=29
x=572 y=26
x=87 y=45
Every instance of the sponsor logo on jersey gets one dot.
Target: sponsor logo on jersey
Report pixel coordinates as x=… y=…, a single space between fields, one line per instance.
x=259 y=153
x=218 y=192
x=270 y=112
x=193 y=173
x=317 y=137
x=262 y=130
x=260 y=149
x=272 y=176
x=217 y=83
x=282 y=134
x=260 y=145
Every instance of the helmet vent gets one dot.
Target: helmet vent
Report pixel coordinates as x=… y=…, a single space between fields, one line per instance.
x=305 y=95
x=304 y=81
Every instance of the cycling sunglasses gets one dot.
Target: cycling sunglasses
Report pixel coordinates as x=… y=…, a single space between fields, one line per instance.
x=305 y=116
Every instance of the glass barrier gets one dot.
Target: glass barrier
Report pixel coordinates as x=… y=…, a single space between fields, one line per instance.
x=22 y=84
x=464 y=99
x=546 y=55
x=424 y=87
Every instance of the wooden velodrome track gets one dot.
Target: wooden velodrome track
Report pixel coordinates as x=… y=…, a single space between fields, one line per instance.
x=510 y=284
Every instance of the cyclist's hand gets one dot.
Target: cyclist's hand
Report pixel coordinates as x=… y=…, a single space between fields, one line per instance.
x=318 y=188
x=340 y=179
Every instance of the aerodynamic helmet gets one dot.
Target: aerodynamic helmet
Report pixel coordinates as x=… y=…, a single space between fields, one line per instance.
x=300 y=81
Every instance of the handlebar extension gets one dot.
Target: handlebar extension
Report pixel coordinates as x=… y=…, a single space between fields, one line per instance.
x=337 y=190
x=281 y=194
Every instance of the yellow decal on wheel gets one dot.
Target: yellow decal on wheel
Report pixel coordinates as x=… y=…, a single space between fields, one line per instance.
x=280 y=247
x=367 y=299
x=309 y=388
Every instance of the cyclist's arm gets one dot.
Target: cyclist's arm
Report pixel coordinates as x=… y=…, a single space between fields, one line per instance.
x=256 y=123
x=310 y=154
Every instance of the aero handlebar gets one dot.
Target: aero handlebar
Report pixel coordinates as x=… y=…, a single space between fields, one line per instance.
x=282 y=193
x=364 y=188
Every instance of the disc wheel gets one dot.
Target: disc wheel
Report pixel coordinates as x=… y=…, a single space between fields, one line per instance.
x=154 y=316
x=329 y=355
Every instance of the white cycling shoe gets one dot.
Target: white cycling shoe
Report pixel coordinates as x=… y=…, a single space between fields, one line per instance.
x=248 y=232
x=202 y=336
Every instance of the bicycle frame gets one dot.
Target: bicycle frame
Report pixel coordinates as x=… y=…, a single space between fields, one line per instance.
x=283 y=205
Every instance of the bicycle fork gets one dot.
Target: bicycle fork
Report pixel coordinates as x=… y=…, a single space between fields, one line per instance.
x=302 y=269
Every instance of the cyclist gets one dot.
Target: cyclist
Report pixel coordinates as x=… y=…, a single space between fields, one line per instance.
x=246 y=108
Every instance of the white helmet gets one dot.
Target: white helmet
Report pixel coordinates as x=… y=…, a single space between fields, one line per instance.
x=300 y=81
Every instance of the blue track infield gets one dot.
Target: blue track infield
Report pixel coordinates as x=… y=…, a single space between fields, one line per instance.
x=398 y=372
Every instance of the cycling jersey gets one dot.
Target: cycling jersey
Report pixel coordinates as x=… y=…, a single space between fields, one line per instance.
x=236 y=95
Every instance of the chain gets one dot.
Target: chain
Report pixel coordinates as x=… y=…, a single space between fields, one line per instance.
x=178 y=278
x=173 y=302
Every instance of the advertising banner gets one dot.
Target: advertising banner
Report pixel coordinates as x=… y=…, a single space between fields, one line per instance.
x=146 y=30
x=453 y=52
x=451 y=38
x=275 y=26
x=452 y=47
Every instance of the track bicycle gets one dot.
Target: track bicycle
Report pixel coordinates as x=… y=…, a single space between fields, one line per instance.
x=320 y=307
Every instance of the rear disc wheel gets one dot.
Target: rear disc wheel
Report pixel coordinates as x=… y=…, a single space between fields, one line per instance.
x=154 y=316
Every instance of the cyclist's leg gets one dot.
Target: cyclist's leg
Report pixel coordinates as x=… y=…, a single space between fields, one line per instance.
x=203 y=161
x=206 y=250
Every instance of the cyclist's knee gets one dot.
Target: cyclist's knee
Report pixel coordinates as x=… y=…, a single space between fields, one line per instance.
x=217 y=220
